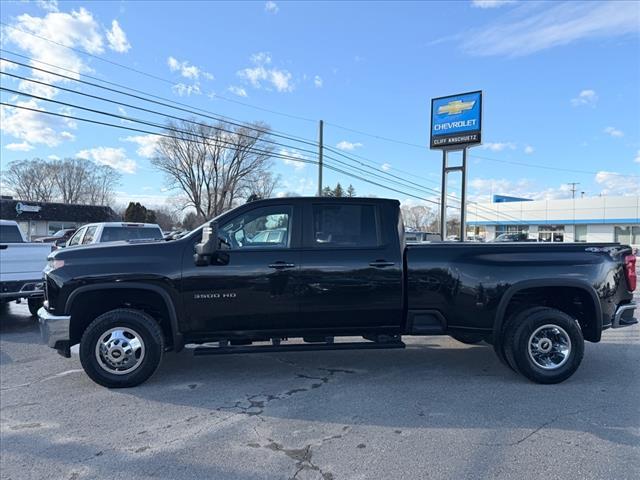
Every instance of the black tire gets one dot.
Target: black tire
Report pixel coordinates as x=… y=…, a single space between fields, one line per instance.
x=468 y=338
x=558 y=331
x=143 y=326
x=34 y=305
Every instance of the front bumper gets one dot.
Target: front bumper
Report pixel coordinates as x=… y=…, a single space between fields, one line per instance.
x=624 y=316
x=14 y=290
x=55 y=331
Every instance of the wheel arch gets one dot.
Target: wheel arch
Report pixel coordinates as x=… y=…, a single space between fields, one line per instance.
x=593 y=334
x=125 y=290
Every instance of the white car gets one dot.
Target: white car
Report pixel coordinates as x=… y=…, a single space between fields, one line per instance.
x=114 y=232
x=21 y=265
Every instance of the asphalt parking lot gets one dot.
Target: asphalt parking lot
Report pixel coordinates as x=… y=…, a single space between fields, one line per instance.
x=438 y=409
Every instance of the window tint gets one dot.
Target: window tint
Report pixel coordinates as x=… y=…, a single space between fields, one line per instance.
x=90 y=235
x=10 y=234
x=266 y=227
x=345 y=226
x=115 y=234
x=75 y=240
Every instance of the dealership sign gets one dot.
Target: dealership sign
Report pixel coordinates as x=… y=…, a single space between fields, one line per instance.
x=24 y=208
x=456 y=120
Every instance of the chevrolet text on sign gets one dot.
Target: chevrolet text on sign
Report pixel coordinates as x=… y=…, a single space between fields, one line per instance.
x=456 y=120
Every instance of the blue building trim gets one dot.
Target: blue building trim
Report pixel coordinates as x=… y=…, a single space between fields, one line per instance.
x=599 y=221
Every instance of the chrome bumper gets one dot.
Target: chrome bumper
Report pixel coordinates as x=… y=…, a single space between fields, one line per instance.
x=624 y=316
x=55 y=330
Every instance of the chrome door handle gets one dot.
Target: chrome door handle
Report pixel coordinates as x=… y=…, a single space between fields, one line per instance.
x=381 y=264
x=281 y=265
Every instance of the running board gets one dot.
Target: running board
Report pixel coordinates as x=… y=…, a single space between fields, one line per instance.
x=296 y=348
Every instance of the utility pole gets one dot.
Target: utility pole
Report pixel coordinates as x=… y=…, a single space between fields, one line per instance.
x=320 y=132
x=573 y=188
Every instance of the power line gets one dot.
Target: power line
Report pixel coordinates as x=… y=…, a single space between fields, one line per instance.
x=210 y=115
x=150 y=75
x=253 y=150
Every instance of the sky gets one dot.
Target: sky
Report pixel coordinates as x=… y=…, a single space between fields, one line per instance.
x=560 y=83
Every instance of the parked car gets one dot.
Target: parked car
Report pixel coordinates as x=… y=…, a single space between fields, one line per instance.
x=422 y=237
x=513 y=237
x=21 y=265
x=59 y=238
x=343 y=270
x=114 y=232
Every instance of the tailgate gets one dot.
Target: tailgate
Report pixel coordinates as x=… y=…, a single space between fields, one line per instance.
x=22 y=261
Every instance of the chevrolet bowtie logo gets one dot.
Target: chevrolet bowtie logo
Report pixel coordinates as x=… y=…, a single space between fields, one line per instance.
x=456 y=106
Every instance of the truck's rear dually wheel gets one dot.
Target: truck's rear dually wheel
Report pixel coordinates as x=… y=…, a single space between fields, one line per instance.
x=544 y=344
x=121 y=348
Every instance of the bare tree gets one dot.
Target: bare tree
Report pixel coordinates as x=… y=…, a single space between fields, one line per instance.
x=71 y=180
x=31 y=180
x=100 y=185
x=417 y=217
x=210 y=167
x=261 y=184
x=70 y=176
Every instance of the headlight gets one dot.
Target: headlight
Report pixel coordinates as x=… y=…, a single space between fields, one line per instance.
x=55 y=263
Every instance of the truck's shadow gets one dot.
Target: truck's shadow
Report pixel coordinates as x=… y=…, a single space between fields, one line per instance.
x=432 y=385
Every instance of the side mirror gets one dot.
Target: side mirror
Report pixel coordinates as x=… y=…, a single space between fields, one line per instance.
x=207 y=248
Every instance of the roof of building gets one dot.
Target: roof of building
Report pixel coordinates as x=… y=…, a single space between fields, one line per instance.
x=62 y=212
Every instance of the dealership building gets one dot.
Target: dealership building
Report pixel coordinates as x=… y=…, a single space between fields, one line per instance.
x=594 y=219
x=41 y=219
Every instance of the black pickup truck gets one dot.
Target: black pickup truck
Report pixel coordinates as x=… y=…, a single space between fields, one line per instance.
x=318 y=269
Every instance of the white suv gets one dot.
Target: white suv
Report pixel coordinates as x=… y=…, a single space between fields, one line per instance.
x=113 y=232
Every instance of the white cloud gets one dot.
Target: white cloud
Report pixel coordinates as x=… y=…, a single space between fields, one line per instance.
x=528 y=149
x=53 y=157
x=117 y=38
x=533 y=27
x=271 y=7
x=262 y=73
x=613 y=183
x=76 y=29
x=48 y=5
x=348 y=146
x=585 y=97
x=146 y=144
x=490 y=3
x=386 y=167
x=498 y=146
x=5 y=66
x=239 y=91
x=614 y=132
x=187 y=70
x=317 y=81
x=19 y=147
x=183 y=89
x=292 y=162
x=147 y=199
x=297 y=186
x=114 y=157
x=34 y=127
x=637 y=159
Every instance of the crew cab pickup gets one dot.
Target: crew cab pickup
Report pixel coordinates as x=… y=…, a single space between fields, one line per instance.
x=21 y=265
x=337 y=268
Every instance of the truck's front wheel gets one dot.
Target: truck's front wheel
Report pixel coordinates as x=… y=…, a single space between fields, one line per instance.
x=545 y=345
x=34 y=305
x=121 y=348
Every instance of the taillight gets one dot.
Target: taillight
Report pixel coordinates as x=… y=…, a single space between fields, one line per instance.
x=630 y=271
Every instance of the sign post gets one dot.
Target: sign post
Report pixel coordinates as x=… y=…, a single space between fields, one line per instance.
x=456 y=124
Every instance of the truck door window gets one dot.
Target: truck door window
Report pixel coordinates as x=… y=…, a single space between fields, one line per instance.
x=266 y=227
x=345 y=225
x=75 y=240
x=10 y=234
x=89 y=235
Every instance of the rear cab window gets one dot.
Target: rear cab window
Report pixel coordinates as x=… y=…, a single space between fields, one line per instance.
x=115 y=234
x=10 y=234
x=345 y=225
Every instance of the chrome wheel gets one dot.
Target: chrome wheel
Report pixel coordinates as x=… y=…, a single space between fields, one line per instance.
x=120 y=350
x=549 y=347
